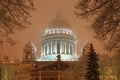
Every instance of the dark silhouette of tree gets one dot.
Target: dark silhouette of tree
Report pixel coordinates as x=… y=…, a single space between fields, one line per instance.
x=105 y=15
x=92 y=70
x=14 y=16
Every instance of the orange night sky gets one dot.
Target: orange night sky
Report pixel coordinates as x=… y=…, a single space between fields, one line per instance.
x=45 y=11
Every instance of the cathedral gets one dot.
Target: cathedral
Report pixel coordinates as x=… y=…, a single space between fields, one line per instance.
x=58 y=38
x=58 y=51
x=58 y=56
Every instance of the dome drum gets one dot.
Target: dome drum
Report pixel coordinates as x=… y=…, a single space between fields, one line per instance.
x=54 y=45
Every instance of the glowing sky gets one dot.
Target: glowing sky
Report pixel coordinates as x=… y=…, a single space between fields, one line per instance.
x=45 y=11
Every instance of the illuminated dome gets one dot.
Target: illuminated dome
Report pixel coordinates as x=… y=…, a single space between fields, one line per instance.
x=58 y=38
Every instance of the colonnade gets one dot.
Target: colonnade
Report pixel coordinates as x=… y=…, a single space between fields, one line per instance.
x=58 y=46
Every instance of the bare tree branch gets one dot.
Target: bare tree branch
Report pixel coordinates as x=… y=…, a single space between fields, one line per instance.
x=106 y=19
x=14 y=15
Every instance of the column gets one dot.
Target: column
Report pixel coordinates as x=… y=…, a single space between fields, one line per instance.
x=75 y=48
x=42 y=51
x=72 y=52
x=47 y=48
x=58 y=46
x=51 y=48
x=61 y=47
x=65 y=48
x=55 y=47
x=69 y=47
x=72 y=48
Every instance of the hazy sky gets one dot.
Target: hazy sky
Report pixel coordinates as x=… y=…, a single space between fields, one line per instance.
x=45 y=11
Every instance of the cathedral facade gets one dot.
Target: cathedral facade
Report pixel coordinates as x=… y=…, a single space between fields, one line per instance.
x=58 y=39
